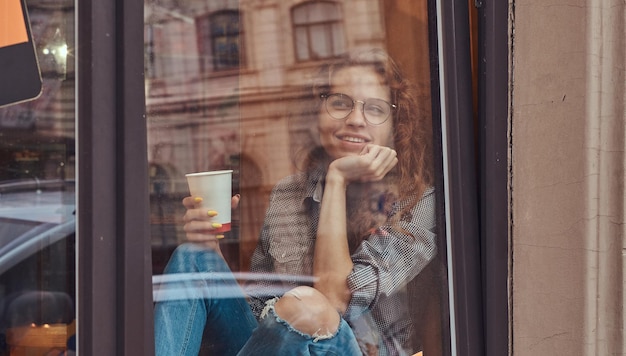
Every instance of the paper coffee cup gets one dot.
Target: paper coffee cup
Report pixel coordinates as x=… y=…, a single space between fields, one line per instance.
x=215 y=189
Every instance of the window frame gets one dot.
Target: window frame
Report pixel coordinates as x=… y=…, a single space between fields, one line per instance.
x=114 y=261
x=477 y=152
x=493 y=156
x=114 y=257
x=452 y=100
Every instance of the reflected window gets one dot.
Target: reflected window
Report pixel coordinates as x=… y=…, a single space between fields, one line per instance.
x=166 y=54
x=219 y=40
x=318 y=30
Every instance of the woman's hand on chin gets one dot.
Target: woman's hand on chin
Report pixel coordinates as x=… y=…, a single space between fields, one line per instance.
x=372 y=164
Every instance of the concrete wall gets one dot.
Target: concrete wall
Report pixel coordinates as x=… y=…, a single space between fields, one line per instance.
x=567 y=178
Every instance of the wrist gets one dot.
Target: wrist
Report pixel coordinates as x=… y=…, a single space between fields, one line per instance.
x=335 y=178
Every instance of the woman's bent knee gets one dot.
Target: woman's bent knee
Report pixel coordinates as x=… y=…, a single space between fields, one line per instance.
x=308 y=311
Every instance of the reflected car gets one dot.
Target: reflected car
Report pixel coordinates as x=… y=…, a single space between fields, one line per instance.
x=37 y=264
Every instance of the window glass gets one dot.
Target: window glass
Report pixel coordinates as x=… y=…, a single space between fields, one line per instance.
x=37 y=196
x=334 y=203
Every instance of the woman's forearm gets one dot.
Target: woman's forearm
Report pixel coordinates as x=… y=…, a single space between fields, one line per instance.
x=332 y=263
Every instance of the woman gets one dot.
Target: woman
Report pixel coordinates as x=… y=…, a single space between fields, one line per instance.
x=359 y=218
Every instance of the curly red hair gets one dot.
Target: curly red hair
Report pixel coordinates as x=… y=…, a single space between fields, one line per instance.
x=413 y=137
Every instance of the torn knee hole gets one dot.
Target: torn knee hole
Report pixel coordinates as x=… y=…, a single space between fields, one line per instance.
x=308 y=312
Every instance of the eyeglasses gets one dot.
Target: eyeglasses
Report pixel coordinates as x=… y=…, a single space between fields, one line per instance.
x=339 y=106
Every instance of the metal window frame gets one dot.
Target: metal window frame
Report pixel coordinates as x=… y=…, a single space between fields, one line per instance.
x=476 y=161
x=114 y=259
x=493 y=138
x=459 y=168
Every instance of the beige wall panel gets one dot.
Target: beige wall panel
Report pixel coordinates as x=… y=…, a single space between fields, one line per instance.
x=567 y=177
x=548 y=304
x=548 y=130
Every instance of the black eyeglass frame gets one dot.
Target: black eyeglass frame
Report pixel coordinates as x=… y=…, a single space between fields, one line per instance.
x=325 y=96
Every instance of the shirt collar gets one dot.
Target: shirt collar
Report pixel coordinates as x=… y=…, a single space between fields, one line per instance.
x=315 y=184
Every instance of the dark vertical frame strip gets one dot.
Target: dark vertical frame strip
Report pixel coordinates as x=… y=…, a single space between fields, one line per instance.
x=96 y=177
x=493 y=137
x=461 y=178
x=114 y=290
x=135 y=274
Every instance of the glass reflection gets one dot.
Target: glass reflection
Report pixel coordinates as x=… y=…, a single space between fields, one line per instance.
x=37 y=197
x=260 y=116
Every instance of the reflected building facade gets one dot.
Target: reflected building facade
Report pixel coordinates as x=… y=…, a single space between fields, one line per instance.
x=226 y=93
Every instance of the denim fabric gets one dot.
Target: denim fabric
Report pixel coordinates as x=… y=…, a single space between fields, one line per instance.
x=195 y=304
x=203 y=298
x=274 y=337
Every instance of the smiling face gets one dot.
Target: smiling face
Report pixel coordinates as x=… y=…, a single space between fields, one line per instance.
x=348 y=136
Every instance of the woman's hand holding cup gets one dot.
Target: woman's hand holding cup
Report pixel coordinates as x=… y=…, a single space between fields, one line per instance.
x=209 y=206
x=200 y=222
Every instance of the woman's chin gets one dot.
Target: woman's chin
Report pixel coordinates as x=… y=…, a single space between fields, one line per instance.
x=351 y=149
x=344 y=153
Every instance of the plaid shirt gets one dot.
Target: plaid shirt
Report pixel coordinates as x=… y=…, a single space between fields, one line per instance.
x=383 y=264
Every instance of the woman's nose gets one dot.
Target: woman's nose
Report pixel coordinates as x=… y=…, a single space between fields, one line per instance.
x=357 y=116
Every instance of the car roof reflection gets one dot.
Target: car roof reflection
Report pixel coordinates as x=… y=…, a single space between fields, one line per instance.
x=34 y=214
x=183 y=286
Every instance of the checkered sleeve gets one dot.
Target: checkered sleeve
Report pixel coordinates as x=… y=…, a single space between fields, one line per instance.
x=392 y=256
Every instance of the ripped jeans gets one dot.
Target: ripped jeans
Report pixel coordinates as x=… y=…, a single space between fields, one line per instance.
x=203 y=302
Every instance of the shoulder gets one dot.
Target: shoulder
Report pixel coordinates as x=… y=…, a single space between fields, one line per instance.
x=290 y=188
x=425 y=207
x=428 y=198
x=294 y=182
x=412 y=202
x=420 y=212
x=302 y=183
